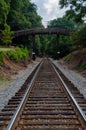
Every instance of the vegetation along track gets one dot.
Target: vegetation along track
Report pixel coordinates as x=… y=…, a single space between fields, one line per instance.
x=47 y=104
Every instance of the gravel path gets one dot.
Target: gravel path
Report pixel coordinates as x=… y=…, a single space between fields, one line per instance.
x=9 y=91
x=74 y=77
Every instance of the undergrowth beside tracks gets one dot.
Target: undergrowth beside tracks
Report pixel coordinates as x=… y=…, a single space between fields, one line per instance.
x=16 y=54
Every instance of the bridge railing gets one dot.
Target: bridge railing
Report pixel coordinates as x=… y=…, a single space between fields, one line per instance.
x=36 y=31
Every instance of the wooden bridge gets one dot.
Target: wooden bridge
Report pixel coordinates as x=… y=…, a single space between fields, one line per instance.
x=35 y=31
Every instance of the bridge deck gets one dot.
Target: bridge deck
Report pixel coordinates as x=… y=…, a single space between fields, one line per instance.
x=43 y=31
x=36 y=31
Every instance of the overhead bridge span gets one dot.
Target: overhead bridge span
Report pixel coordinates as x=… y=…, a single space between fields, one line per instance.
x=57 y=31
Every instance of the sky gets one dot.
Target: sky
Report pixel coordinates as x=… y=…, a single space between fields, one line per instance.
x=48 y=9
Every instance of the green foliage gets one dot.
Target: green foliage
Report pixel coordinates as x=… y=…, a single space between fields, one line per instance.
x=19 y=15
x=37 y=45
x=2 y=56
x=67 y=58
x=77 y=9
x=23 y=15
x=44 y=44
x=62 y=23
x=64 y=46
x=81 y=66
x=7 y=35
x=4 y=9
x=53 y=48
x=18 y=54
x=13 y=55
x=64 y=49
x=79 y=38
x=1 y=77
x=17 y=20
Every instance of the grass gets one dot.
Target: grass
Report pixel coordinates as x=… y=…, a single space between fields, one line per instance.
x=67 y=58
x=4 y=82
x=5 y=49
x=17 y=54
x=1 y=76
x=81 y=66
x=3 y=53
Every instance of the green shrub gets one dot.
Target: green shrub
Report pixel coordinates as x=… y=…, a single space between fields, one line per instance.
x=2 y=55
x=1 y=76
x=18 y=54
x=12 y=54
x=7 y=35
x=79 y=38
x=81 y=66
x=67 y=58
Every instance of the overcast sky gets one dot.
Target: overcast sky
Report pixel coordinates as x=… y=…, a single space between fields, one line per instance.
x=48 y=9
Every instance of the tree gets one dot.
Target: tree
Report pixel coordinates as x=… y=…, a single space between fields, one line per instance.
x=62 y=23
x=77 y=9
x=79 y=38
x=7 y=35
x=23 y=15
x=16 y=18
x=4 y=9
x=64 y=46
x=44 y=42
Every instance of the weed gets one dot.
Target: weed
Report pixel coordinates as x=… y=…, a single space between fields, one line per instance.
x=67 y=58
x=81 y=66
x=1 y=76
x=18 y=54
x=2 y=55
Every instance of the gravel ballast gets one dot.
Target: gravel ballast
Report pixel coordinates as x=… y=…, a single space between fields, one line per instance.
x=74 y=77
x=10 y=90
x=13 y=87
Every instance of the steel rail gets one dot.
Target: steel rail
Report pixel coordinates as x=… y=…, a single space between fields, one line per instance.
x=70 y=94
x=10 y=125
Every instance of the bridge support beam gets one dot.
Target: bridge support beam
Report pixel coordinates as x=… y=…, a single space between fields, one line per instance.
x=33 y=47
x=57 y=38
x=33 y=43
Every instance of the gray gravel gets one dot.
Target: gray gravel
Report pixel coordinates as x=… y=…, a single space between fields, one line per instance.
x=74 y=77
x=10 y=90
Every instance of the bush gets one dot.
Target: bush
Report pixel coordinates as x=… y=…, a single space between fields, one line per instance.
x=2 y=55
x=67 y=58
x=18 y=54
x=12 y=54
x=79 y=38
x=22 y=53
x=81 y=66
x=7 y=35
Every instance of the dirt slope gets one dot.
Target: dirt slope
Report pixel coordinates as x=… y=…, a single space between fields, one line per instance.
x=77 y=61
x=9 y=68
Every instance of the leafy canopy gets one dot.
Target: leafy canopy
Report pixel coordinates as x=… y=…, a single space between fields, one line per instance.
x=4 y=9
x=77 y=9
x=79 y=38
x=7 y=35
x=62 y=23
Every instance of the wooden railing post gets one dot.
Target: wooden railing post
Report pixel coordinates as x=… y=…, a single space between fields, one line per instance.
x=58 y=38
x=33 y=42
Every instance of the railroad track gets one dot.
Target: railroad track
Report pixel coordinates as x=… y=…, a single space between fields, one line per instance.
x=47 y=104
